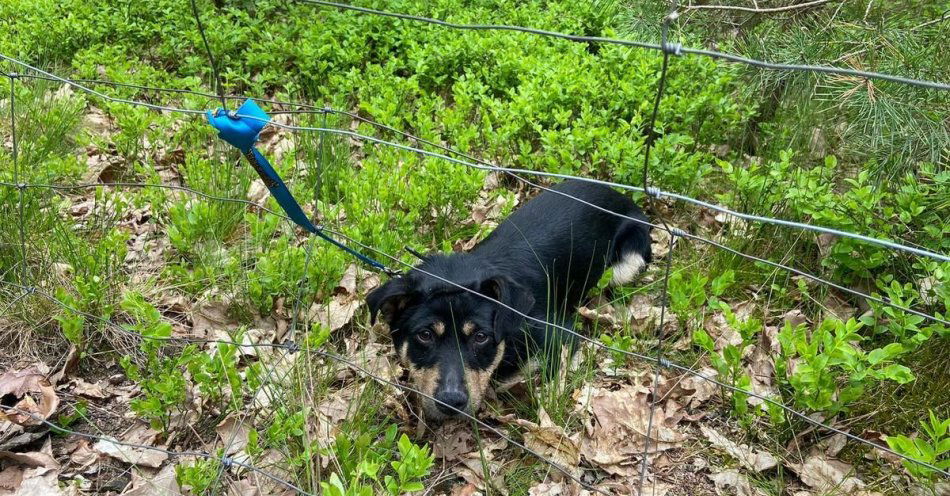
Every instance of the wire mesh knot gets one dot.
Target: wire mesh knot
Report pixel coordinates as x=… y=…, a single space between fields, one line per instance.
x=21 y=186
x=666 y=46
x=291 y=346
x=665 y=363
x=227 y=462
x=675 y=231
x=673 y=48
x=653 y=191
x=232 y=114
x=13 y=75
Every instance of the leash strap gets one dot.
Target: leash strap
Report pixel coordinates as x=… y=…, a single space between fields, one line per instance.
x=241 y=129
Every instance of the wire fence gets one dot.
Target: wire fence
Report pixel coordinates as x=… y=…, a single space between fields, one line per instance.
x=28 y=288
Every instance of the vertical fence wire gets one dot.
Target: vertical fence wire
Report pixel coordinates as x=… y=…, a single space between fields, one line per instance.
x=219 y=90
x=20 y=186
x=651 y=136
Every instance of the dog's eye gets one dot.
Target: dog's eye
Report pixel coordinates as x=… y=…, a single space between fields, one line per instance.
x=480 y=337
x=424 y=337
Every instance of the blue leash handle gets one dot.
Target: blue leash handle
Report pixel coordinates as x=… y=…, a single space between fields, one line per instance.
x=241 y=129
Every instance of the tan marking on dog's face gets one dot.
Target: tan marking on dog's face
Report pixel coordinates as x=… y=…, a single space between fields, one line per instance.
x=477 y=381
x=425 y=381
x=404 y=355
x=439 y=328
x=468 y=328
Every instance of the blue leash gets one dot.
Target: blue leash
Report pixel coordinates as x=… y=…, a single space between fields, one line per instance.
x=241 y=129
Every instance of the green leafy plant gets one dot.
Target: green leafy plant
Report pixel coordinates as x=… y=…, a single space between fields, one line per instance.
x=728 y=362
x=827 y=371
x=905 y=327
x=413 y=464
x=197 y=477
x=933 y=449
x=620 y=342
x=363 y=464
x=687 y=295
x=161 y=375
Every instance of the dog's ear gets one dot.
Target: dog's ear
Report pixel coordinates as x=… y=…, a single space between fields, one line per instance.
x=389 y=299
x=512 y=294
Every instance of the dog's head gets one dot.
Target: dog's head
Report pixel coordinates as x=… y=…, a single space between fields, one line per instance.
x=452 y=340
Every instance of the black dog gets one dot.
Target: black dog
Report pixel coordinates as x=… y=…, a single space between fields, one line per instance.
x=541 y=262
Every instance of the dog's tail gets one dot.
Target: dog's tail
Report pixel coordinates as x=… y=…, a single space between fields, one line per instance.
x=632 y=250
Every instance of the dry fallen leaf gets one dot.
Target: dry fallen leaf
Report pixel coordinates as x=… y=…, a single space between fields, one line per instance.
x=97 y=123
x=41 y=481
x=752 y=460
x=465 y=490
x=348 y=283
x=94 y=391
x=836 y=307
x=257 y=192
x=10 y=479
x=147 y=482
x=731 y=482
x=661 y=242
x=616 y=437
x=920 y=489
x=834 y=444
x=557 y=489
x=488 y=209
x=244 y=487
x=598 y=316
x=644 y=313
x=335 y=314
x=233 y=433
x=722 y=333
x=29 y=474
x=82 y=455
x=475 y=467
x=825 y=474
x=133 y=456
x=332 y=411
x=210 y=318
x=452 y=439
x=32 y=459
x=761 y=368
x=824 y=242
x=69 y=366
x=30 y=392
x=374 y=358
x=794 y=318
x=550 y=441
x=693 y=391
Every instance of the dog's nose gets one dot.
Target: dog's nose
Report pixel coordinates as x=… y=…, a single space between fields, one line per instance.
x=452 y=398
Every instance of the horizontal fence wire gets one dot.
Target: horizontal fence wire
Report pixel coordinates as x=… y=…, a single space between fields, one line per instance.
x=676 y=49
x=485 y=166
x=642 y=357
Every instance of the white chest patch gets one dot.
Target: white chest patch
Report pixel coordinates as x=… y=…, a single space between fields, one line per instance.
x=627 y=269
